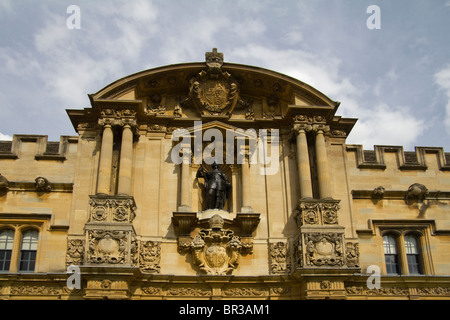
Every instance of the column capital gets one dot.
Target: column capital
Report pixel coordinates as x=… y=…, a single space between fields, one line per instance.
x=320 y=128
x=305 y=127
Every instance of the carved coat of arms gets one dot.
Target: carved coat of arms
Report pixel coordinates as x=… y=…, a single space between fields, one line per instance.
x=214 y=91
x=216 y=250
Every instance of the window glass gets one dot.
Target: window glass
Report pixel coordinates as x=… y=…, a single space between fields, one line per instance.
x=390 y=254
x=413 y=254
x=411 y=244
x=6 y=244
x=30 y=240
x=390 y=244
x=28 y=250
x=6 y=239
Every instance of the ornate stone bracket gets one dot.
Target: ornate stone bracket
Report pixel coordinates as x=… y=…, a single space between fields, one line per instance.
x=215 y=250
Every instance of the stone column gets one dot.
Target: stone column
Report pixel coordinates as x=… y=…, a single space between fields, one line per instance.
x=245 y=183
x=106 y=155
x=322 y=163
x=186 y=186
x=234 y=196
x=304 y=170
x=126 y=161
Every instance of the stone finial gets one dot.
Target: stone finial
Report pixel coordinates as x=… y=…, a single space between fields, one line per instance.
x=214 y=60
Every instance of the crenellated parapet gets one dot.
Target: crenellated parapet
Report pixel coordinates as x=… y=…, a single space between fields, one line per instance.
x=42 y=150
x=407 y=160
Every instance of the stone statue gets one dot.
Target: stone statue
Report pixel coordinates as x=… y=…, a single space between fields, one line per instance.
x=217 y=186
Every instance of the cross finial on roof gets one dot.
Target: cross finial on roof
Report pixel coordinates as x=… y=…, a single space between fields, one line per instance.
x=214 y=59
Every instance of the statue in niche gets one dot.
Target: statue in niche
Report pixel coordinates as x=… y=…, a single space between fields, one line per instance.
x=217 y=186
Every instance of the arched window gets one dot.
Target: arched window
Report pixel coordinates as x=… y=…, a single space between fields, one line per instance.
x=391 y=254
x=6 y=245
x=28 y=250
x=413 y=254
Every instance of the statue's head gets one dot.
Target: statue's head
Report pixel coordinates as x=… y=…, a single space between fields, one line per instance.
x=215 y=165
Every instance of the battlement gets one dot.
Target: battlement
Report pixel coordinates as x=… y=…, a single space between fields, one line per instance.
x=43 y=149
x=406 y=160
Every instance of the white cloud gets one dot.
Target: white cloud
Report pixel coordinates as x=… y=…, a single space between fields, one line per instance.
x=5 y=137
x=376 y=124
x=442 y=78
x=385 y=125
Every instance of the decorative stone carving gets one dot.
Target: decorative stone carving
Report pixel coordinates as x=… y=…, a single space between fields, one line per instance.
x=278 y=253
x=384 y=291
x=42 y=185
x=154 y=106
x=309 y=119
x=35 y=290
x=177 y=112
x=352 y=254
x=150 y=256
x=189 y=291
x=416 y=192
x=216 y=250
x=75 y=252
x=119 y=117
x=112 y=208
x=107 y=246
x=324 y=249
x=151 y=290
x=378 y=193
x=315 y=212
x=214 y=91
x=244 y=292
x=272 y=107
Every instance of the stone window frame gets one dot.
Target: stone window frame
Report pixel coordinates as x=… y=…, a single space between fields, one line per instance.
x=19 y=229
x=421 y=230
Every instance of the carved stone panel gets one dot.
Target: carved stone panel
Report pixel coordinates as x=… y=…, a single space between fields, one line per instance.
x=108 y=247
x=279 y=258
x=324 y=249
x=150 y=256
x=112 y=209
x=317 y=212
x=75 y=252
x=352 y=254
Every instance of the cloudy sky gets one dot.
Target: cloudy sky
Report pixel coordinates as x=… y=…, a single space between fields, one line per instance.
x=395 y=80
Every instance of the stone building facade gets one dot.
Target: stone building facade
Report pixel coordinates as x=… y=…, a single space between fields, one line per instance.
x=120 y=210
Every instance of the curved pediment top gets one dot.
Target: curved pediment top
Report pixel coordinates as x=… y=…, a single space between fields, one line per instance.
x=177 y=78
x=241 y=95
